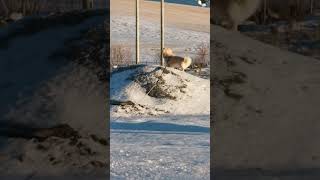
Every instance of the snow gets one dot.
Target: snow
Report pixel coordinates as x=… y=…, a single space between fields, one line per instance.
x=52 y=91
x=183 y=42
x=30 y=55
x=277 y=109
x=166 y=133
x=172 y=144
x=159 y=155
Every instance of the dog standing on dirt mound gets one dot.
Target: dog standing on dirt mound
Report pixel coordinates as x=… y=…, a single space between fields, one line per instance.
x=176 y=61
x=230 y=13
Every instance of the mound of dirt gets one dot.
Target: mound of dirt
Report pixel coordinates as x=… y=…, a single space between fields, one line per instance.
x=161 y=83
x=167 y=89
x=140 y=110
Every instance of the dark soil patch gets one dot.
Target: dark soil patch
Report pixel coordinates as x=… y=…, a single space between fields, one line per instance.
x=156 y=86
x=28 y=132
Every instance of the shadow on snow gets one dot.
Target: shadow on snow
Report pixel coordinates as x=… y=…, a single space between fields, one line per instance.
x=156 y=126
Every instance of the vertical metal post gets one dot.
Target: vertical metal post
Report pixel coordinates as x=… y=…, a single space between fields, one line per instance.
x=311 y=6
x=137 y=33
x=265 y=11
x=162 y=32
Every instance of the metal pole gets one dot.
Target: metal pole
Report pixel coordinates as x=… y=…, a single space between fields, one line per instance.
x=137 y=33
x=265 y=11
x=162 y=32
x=311 y=6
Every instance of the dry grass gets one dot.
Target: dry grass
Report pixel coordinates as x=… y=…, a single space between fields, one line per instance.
x=121 y=56
x=157 y=57
x=201 y=59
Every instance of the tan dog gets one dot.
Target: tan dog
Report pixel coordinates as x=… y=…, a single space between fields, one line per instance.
x=230 y=13
x=176 y=61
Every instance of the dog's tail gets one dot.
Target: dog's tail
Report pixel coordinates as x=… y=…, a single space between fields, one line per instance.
x=187 y=59
x=186 y=62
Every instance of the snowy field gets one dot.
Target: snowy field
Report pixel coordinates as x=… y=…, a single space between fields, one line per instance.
x=183 y=42
x=159 y=138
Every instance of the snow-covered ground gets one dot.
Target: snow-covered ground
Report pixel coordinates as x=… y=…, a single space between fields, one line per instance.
x=159 y=137
x=41 y=88
x=266 y=114
x=183 y=42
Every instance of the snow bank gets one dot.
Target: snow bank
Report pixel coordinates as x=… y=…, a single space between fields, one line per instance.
x=266 y=103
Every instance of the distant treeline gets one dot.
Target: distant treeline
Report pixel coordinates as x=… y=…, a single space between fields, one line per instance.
x=28 y=7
